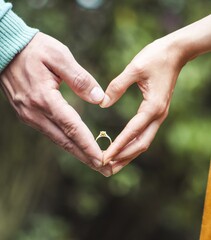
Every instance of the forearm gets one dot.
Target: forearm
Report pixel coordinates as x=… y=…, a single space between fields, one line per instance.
x=192 y=40
x=14 y=34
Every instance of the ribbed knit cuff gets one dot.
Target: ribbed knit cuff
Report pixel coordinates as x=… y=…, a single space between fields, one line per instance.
x=14 y=36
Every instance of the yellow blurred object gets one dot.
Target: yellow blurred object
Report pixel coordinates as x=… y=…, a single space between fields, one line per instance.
x=206 y=220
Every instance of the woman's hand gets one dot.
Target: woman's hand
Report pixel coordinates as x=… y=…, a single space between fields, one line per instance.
x=155 y=70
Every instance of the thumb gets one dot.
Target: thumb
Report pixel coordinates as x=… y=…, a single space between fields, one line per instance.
x=118 y=87
x=77 y=78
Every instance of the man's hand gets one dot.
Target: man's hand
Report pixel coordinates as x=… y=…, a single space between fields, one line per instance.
x=31 y=83
x=155 y=70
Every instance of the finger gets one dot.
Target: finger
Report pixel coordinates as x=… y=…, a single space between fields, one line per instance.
x=134 y=128
x=148 y=112
x=59 y=138
x=119 y=165
x=54 y=133
x=140 y=144
x=118 y=86
x=38 y=121
x=64 y=65
x=134 y=149
x=68 y=120
x=106 y=170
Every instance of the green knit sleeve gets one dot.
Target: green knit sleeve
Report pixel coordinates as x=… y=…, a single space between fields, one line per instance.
x=14 y=34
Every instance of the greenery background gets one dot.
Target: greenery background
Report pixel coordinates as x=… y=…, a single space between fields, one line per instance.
x=45 y=194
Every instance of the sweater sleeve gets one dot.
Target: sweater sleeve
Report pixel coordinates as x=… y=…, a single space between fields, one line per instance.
x=14 y=34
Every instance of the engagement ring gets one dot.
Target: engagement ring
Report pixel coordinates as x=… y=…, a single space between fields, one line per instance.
x=103 y=134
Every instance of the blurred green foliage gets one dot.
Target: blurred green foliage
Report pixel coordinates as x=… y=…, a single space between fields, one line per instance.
x=47 y=194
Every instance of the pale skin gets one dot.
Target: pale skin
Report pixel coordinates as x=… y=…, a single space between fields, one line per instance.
x=31 y=83
x=155 y=71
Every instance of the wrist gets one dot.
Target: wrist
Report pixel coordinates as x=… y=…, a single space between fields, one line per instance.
x=14 y=36
x=191 y=41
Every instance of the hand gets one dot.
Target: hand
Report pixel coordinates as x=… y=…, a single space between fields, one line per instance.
x=31 y=83
x=155 y=70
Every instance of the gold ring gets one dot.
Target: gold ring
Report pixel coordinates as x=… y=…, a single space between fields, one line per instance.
x=103 y=134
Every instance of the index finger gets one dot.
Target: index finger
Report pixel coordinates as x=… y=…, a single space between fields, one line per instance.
x=64 y=65
x=67 y=119
x=118 y=86
x=145 y=116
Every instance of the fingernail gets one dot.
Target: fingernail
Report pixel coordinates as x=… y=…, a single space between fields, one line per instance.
x=105 y=101
x=97 y=94
x=117 y=169
x=107 y=161
x=97 y=163
x=106 y=172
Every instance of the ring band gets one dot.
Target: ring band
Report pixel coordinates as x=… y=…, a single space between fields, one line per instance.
x=103 y=134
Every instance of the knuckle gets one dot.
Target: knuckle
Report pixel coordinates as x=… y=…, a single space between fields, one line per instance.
x=81 y=82
x=70 y=130
x=61 y=52
x=140 y=70
x=64 y=48
x=37 y=100
x=131 y=132
x=30 y=100
x=116 y=86
x=144 y=147
x=85 y=147
x=136 y=67
x=159 y=107
x=68 y=146
x=18 y=100
x=25 y=116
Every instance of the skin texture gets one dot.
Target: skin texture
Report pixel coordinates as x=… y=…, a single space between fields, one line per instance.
x=155 y=70
x=31 y=83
